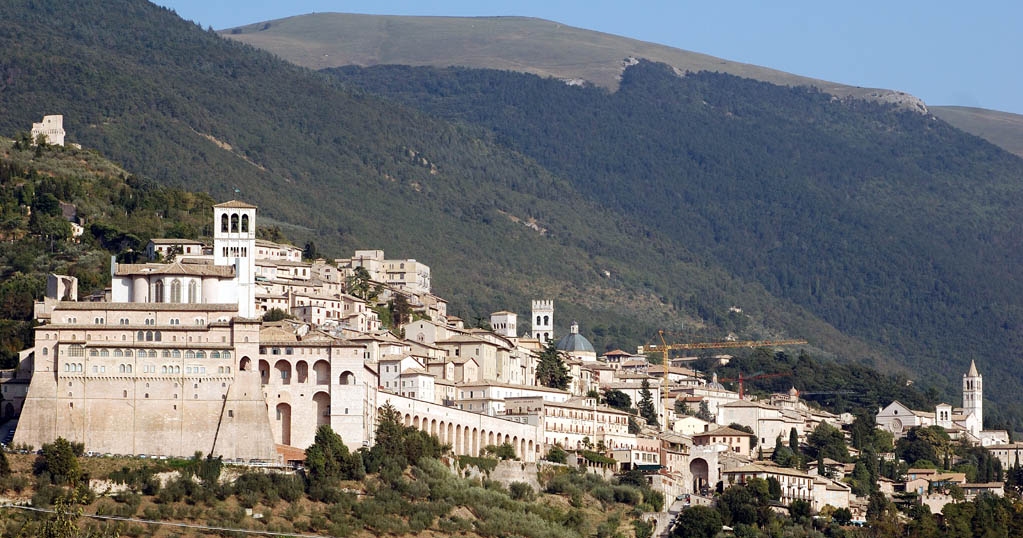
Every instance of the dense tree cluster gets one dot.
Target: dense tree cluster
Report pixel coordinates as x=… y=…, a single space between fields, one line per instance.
x=819 y=200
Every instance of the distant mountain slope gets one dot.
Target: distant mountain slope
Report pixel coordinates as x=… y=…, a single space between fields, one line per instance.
x=890 y=225
x=531 y=45
x=546 y=48
x=1000 y=128
x=349 y=170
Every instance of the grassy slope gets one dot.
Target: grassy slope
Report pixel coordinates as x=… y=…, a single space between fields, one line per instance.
x=540 y=47
x=526 y=44
x=999 y=128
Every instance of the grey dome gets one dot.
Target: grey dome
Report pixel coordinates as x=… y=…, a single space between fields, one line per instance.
x=573 y=341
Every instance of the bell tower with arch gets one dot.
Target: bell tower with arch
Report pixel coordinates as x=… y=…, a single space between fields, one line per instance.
x=542 y=320
x=973 y=395
x=234 y=243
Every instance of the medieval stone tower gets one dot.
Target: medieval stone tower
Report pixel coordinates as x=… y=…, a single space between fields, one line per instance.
x=234 y=243
x=973 y=394
x=543 y=320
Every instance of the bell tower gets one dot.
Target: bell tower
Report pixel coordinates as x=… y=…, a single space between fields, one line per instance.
x=973 y=395
x=543 y=320
x=234 y=243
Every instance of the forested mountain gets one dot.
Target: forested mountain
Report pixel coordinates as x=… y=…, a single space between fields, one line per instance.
x=666 y=202
x=546 y=48
x=891 y=225
x=348 y=170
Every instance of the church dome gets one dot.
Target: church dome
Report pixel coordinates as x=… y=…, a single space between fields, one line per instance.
x=574 y=342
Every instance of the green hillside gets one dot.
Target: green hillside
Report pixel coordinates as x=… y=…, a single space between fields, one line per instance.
x=347 y=170
x=546 y=48
x=41 y=188
x=890 y=225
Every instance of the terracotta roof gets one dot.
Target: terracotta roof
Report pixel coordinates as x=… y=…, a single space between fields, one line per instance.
x=725 y=430
x=235 y=204
x=537 y=388
x=415 y=371
x=177 y=268
x=174 y=241
x=190 y=307
x=758 y=468
x=265 y=243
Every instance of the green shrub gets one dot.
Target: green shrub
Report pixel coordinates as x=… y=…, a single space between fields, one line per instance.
x=485 y=465
x=556 y=455
x=521 y=491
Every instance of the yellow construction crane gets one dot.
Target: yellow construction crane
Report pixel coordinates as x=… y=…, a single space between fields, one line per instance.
x=665 y=348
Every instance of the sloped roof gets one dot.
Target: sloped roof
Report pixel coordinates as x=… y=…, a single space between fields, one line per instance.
x=973 y=370
x=176 y=268
x=236 y=204
x=723 y=431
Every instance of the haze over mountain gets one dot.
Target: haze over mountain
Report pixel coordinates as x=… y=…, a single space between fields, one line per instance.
x=807 y=212
x=546 y=48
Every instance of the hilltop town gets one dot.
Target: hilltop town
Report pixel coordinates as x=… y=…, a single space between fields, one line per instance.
x=242 y=349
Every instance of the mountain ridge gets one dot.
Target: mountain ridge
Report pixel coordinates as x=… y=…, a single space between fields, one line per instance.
x=546 y=48
x=322 y=40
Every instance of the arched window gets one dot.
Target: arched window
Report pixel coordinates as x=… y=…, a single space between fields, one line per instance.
x=163 y=369
x=176 y=353
x=546 y=320
x=189 y=354
x=118 y=353
x=234 y=223
x=214 y=354
x=76 y=350
x=127 y=368
x=193 y=292
x=227 y=354
x=158 y=292
x=158 y=336
x=120 y=369
x=127 y=353
x=223 y=223
x=149 y=336
x=538 y=320
x=166 y=353
x=175 y=295
x=245 y=223
x=140 y=336
x=200 y=354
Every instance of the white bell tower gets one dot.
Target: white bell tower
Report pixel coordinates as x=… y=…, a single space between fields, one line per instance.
x=973 y=395
x=234 y=243
x=543 y=320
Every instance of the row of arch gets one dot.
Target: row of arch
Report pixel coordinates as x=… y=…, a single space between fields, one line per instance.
x=234 y=223
x=175 y=291
x=284 y=373
x=470 y=441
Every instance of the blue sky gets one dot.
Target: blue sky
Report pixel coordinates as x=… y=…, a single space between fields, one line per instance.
x=947 y=53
